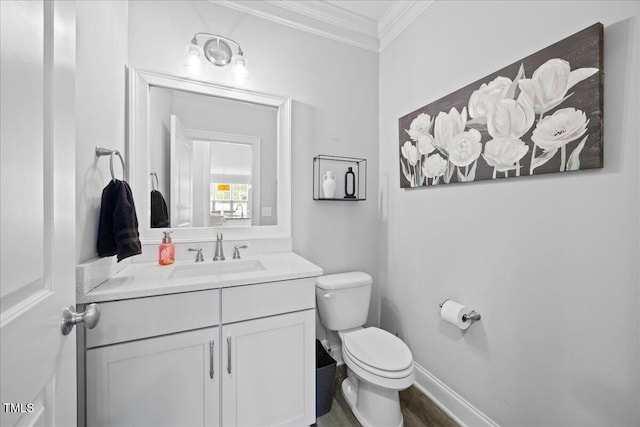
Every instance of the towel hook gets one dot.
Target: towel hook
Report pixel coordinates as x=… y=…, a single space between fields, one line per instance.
x=111 y=153
x=157 y=182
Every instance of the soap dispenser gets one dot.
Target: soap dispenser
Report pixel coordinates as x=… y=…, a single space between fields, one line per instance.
x=167 y=250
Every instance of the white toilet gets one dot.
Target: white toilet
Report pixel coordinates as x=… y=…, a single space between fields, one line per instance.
x=379 y=363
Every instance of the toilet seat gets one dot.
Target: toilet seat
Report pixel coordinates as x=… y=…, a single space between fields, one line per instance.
x=378 y=352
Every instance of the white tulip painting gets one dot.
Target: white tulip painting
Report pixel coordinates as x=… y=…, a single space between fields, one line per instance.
x=539 y=115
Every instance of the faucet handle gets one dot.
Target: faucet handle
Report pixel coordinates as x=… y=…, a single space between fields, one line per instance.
x=199 y=257
x=236 y=251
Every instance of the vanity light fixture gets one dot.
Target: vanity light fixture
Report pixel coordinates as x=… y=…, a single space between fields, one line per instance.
x=217 y=49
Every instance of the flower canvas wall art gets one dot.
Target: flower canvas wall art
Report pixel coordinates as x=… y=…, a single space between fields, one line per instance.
x=538 y=115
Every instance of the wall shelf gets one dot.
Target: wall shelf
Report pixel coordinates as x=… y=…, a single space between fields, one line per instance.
x=339 y=166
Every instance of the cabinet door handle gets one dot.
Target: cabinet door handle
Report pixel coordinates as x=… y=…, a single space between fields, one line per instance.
x=229 y=354
x=211 y=370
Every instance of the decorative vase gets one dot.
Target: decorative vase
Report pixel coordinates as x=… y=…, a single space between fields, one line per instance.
x=350 y=184
x=328 y=185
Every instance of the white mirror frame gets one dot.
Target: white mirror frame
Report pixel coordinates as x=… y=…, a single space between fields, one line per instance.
x=140 y=83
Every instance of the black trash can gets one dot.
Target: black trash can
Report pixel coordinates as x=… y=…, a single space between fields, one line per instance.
x=325 y=379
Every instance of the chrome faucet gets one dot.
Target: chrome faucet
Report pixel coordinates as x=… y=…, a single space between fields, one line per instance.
x=219 y=255
x=241 y=207
x=199 y=257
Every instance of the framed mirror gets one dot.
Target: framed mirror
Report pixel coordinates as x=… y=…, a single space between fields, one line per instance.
x=205 y=158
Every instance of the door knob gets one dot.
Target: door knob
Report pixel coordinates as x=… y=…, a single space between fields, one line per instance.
x=70 y=318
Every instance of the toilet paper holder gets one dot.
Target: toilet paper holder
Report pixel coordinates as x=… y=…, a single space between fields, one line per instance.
x=472 y=316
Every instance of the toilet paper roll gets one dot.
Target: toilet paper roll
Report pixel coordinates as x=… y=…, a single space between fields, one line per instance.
x=452 y=312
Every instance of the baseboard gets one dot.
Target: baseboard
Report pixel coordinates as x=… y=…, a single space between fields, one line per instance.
x=461 y=411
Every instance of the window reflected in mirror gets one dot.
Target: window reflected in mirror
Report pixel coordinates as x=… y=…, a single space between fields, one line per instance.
x=230 y=200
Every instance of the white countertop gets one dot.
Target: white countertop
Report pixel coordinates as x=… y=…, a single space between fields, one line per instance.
x=149 y=279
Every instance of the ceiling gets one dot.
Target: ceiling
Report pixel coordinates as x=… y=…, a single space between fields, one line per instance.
x=368 y=24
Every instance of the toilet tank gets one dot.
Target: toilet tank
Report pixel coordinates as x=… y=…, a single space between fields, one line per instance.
x=343 y=299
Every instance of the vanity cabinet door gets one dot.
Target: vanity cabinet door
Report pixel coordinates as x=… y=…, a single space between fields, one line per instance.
x=172 y=380
x=268 y=371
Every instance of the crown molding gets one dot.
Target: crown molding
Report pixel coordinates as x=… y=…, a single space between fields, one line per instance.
x=398 y=17
x=333 y=22
x=293 y=16
x=331 y=14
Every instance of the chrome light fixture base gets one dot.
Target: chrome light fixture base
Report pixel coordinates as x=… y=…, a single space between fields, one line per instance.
x=217 y=49
x=217 y=52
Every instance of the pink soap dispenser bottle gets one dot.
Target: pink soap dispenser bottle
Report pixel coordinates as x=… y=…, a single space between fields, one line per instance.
x=167 y=250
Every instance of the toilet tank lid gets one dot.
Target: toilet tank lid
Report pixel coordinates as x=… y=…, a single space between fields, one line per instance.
x=352 y=279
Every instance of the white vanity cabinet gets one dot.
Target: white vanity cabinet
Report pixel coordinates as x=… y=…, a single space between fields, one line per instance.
x=165 y=381
x=155 y=362
x=268 y=372
x=236 y=356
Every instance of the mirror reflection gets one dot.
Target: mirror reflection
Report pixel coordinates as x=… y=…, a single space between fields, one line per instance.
x=212 y=161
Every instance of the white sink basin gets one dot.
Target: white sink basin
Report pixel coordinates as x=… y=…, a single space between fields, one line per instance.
x=215 y=267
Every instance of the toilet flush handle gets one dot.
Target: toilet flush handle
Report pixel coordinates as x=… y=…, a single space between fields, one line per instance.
x=329 y=295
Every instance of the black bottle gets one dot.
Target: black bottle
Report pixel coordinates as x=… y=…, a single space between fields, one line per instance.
x=350 y=184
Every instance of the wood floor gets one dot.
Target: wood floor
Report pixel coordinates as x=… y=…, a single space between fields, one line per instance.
x=417 y=409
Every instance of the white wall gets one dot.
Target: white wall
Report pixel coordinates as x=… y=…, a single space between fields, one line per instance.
x=334 y=88
x=551 y=261
x=101 y=55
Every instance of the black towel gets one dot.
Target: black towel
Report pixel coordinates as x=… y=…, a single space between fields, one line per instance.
x=118 y=226
x=159 y=212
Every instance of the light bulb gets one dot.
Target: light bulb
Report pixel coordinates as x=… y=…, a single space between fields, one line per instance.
x=193 y=49
x=238 y=68
x=238 y=59
x=193 y=54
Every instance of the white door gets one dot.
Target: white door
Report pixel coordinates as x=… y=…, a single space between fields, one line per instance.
x=268 y=371
x=37 y=212
x=169 y=381
x=181 y=175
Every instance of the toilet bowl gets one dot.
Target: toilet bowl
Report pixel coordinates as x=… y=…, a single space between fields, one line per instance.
x=382 y=365
x=379 y=364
